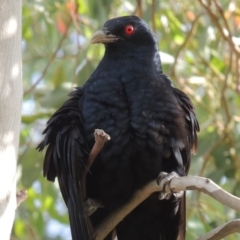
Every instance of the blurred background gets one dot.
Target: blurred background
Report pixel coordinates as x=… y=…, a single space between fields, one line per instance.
x=199 y=47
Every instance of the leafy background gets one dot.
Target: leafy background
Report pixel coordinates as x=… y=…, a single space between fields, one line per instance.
x=199 y=43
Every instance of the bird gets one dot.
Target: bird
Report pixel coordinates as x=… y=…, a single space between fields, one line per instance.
x=153 y=129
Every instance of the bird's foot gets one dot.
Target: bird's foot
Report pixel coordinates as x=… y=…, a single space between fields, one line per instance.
x=92 y=205
x=166 y=178
x=101 y=137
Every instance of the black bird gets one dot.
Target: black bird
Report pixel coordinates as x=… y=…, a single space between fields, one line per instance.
x=152 y=125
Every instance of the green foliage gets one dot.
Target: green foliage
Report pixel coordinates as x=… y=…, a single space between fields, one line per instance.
x=57 y=55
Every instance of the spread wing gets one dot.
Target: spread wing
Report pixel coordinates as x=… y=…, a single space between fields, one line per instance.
x=193 y=128
x=65 y=159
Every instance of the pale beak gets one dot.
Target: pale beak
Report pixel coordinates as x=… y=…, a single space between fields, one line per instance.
x=101 y=37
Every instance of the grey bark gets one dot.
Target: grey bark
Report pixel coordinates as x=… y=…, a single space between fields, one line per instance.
x=10 y=109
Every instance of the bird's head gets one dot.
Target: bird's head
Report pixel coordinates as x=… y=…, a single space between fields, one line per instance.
x=128 y=32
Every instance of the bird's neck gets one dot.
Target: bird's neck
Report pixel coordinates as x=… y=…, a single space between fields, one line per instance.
x=146 y=57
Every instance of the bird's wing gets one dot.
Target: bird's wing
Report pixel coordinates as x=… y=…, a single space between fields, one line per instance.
x=65 y=159
x=193 y=128
x=191 y=124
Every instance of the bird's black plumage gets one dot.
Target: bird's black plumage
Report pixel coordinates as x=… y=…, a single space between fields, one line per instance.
x=152 y=127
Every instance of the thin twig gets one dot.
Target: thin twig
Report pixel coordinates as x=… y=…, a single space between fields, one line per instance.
x=185 y=43
x=224 y=98
x=153 y=8
x=214 y=70
x=222 y=231
x=220 y=10
x=224 y=87
x=224 y=34
x=139 y=11
x=208 y=154
x=50 y=61
x=237 y=74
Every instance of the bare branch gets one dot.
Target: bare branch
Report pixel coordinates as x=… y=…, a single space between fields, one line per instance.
x=220 y=10
x=177 y=184
x=139 y=10
x=222 y=231
x=224 y=32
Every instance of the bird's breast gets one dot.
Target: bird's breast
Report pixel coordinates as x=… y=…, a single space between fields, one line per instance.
x=131 y=108
x=137 y=113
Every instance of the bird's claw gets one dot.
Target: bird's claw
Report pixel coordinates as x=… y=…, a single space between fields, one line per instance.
x=92 y=205
x=167 y=177
x=101 y=136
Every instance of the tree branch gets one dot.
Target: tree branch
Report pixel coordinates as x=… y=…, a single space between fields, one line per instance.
x=223 y=31
x=177 y=184
x=222 y=231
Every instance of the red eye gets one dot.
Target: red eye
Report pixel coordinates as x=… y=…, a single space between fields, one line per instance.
x=129 y=30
